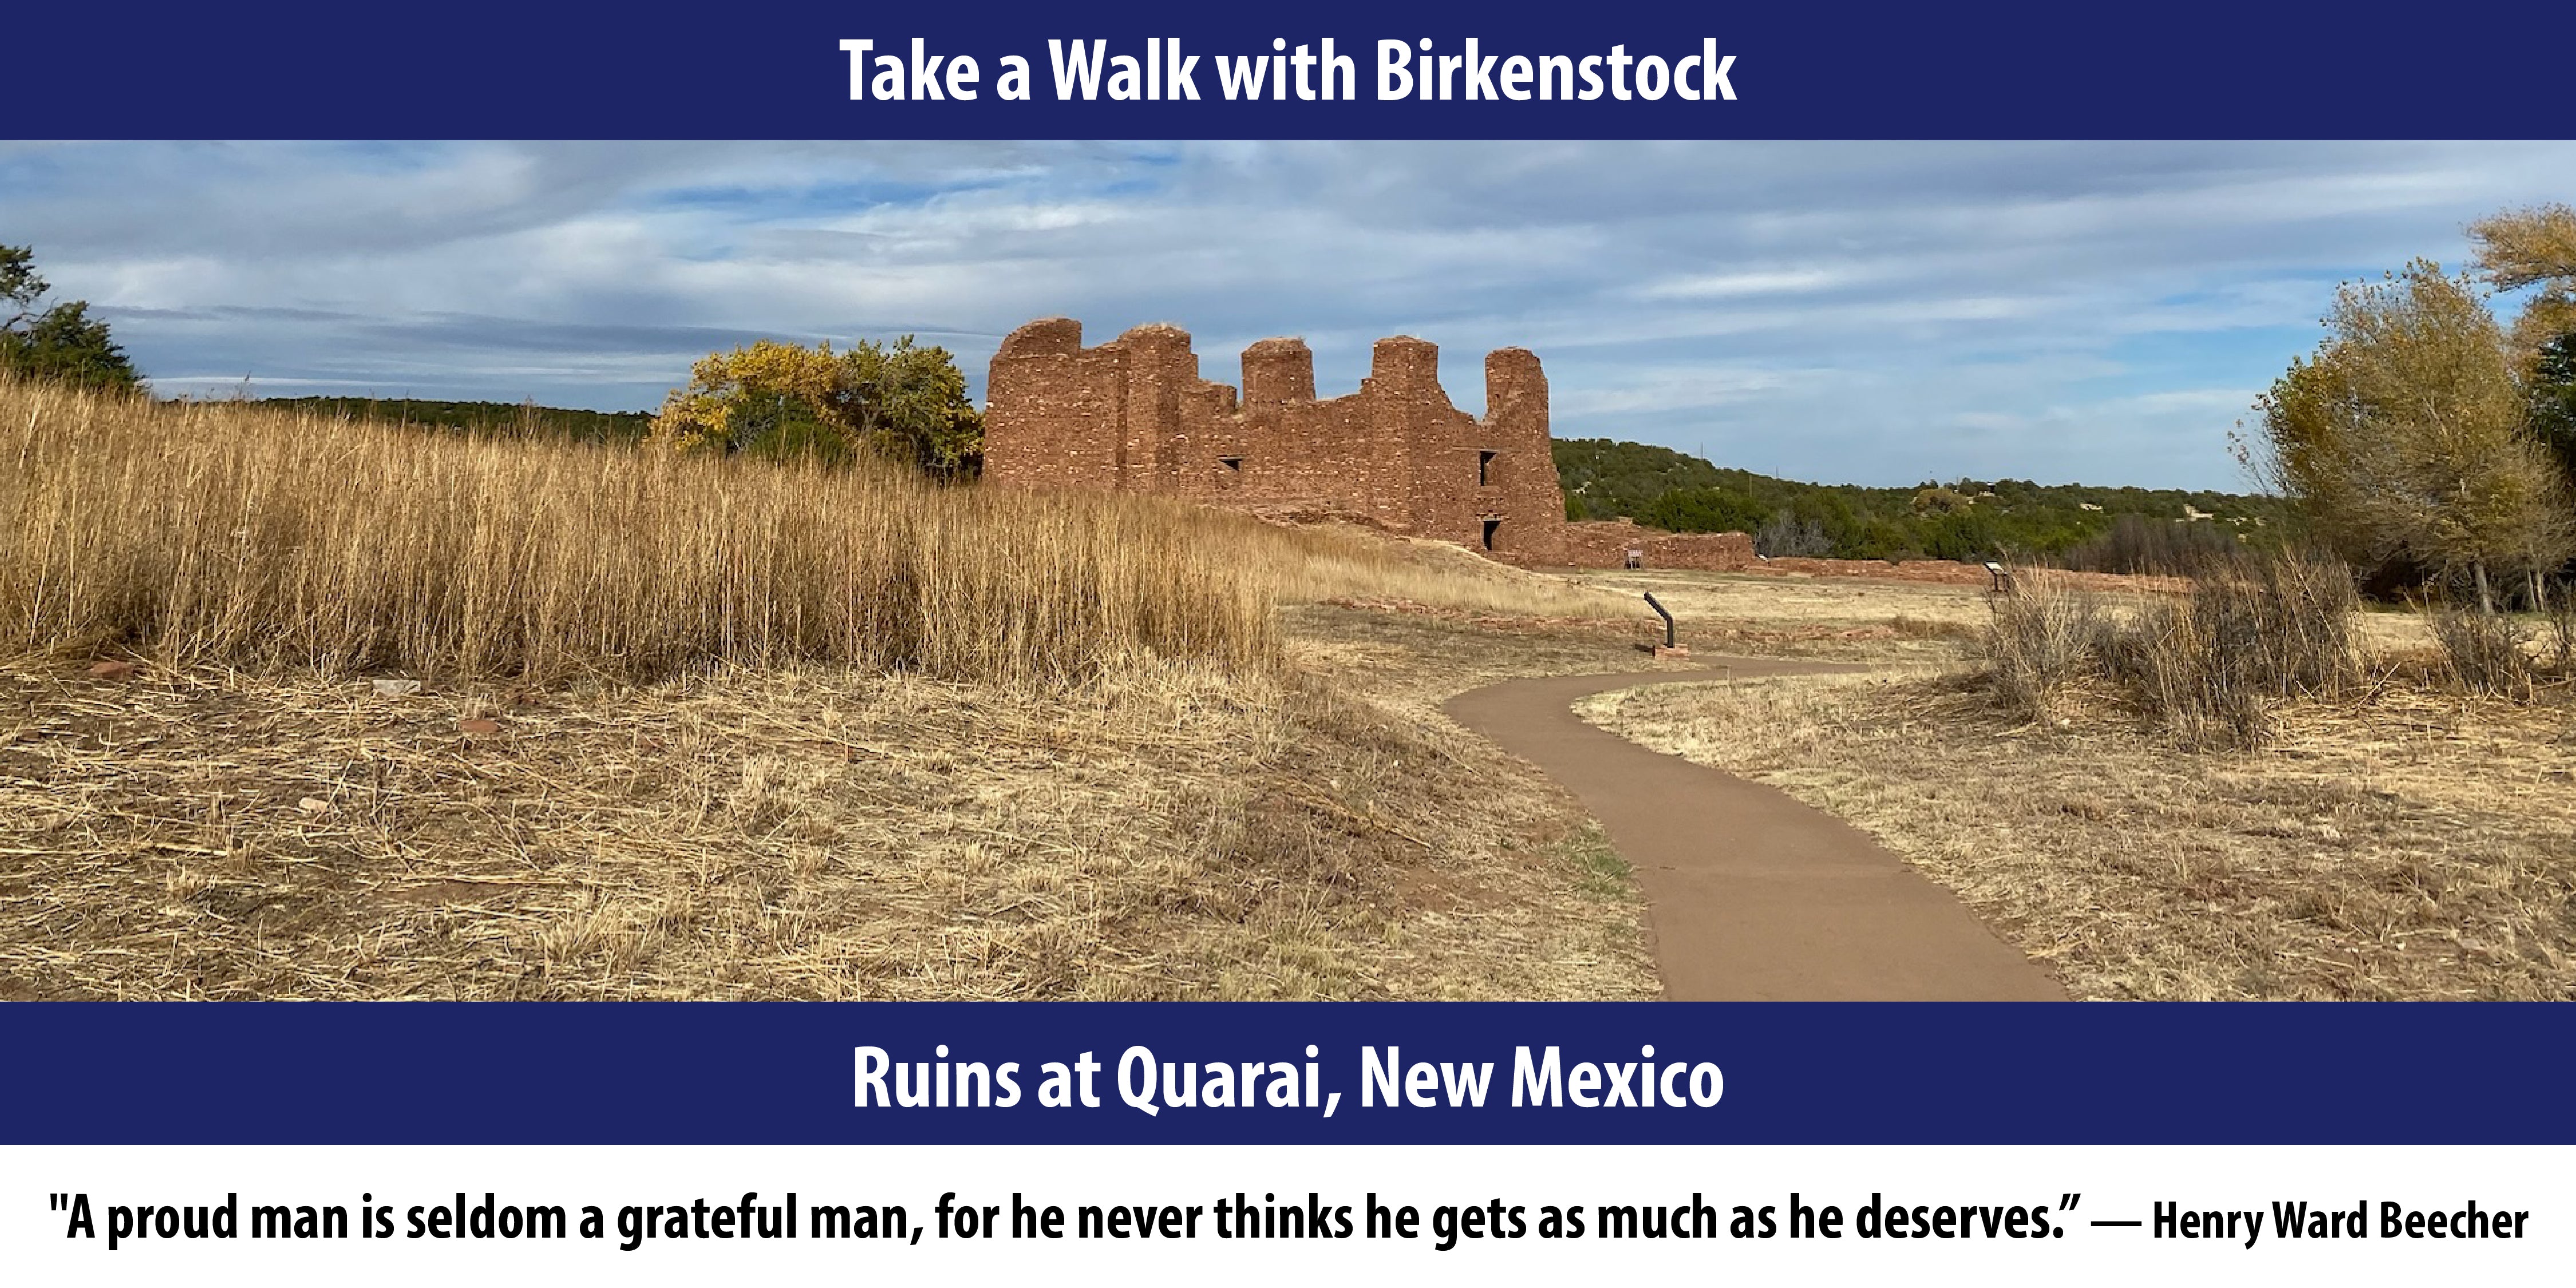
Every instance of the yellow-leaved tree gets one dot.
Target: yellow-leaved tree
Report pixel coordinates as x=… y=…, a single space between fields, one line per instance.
x=2405 y=438
x=901 y=400
x=2532 y=247
x=2536 y=248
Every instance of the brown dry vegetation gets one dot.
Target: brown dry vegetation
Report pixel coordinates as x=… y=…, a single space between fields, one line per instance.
x=2410 y=841
x=1835 y=618
x=658 y=752
x=803 y=833
x=225 y=535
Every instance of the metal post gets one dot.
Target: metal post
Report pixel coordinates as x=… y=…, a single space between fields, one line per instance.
x=1669 y=641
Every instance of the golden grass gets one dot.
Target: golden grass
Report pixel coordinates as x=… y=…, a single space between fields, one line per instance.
x=1369 y=569
x=1837 y=618
x=2408 y=843
x=700 y=730
x=222 y=534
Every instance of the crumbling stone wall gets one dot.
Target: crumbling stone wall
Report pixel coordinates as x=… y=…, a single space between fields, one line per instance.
x=1606 y=543
x=1134 y=415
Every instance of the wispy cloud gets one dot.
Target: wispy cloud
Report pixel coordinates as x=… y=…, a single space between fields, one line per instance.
x=1871 y=312
x=1707 y=286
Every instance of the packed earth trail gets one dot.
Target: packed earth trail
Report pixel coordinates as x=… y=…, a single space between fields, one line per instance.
x=1751 y=895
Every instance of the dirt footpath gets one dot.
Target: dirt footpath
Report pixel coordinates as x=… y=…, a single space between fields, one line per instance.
x=1753 y=896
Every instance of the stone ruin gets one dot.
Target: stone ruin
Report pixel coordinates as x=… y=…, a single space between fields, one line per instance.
x=1133 y=415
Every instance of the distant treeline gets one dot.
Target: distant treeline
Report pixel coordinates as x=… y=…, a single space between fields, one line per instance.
x=521 y=420
x=2111 y=529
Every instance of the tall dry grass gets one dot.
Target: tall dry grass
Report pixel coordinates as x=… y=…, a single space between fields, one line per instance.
x=2041 y=637
x=2207 y=669
x=2485 y=653
x=226 y=534
x=215 y=534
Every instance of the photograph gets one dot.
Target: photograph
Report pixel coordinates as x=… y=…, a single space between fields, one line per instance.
x=1466 y=570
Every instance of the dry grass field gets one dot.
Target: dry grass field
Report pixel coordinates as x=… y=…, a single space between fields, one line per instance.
x=2407 y=843
x=1050 y=747
x=300 y=709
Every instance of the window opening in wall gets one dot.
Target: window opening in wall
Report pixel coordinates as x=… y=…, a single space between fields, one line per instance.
x=1484 y=469
x=1490 y=525
x=1232 y=464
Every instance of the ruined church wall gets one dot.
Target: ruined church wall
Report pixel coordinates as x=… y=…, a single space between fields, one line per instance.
x=1521 y=478
x=1134 y=414
x=1066 y=408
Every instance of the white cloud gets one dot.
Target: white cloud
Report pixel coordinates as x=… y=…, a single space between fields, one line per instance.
x=1723 y=285
x=1874 y=312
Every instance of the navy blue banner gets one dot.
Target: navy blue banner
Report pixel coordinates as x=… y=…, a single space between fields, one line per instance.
x=488 y=69
x=791 y=1073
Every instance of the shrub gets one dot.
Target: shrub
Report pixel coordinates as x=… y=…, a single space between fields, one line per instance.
x=2040 y=638
x=2157 y=547
x=2260 y=632
x=2484 y=652
x=2562 y=630
x=2205 y=670
x=2188 y=684
x=1788 y=536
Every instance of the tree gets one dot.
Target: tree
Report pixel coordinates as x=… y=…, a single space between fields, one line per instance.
x=901 y=400
x=2535 y=246
x=2406 y=436
x=2553 y=400
x=61 y=343
x=1707 y=509
x=1791 y=537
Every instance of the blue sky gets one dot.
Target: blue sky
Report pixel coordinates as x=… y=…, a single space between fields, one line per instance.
x=1866 y=312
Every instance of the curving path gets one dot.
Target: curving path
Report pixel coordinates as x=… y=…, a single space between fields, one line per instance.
x=1751 y=895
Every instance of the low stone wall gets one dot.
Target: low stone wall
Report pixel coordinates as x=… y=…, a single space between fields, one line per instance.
x=1606 y=545
x=1946 y=572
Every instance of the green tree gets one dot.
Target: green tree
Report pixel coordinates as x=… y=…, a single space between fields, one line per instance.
x=2406 y=436
x=1707 y=509
x=59 y=343
x=2553 y=400
x=902 y=400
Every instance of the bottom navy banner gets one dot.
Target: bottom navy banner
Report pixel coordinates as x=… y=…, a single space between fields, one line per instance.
x=1211 y=1073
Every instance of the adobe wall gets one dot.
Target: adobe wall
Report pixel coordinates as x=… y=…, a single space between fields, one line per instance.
x=1134 y=415
x=1606 y=543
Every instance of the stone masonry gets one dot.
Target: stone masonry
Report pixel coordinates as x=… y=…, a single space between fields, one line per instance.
x=1132 y=415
